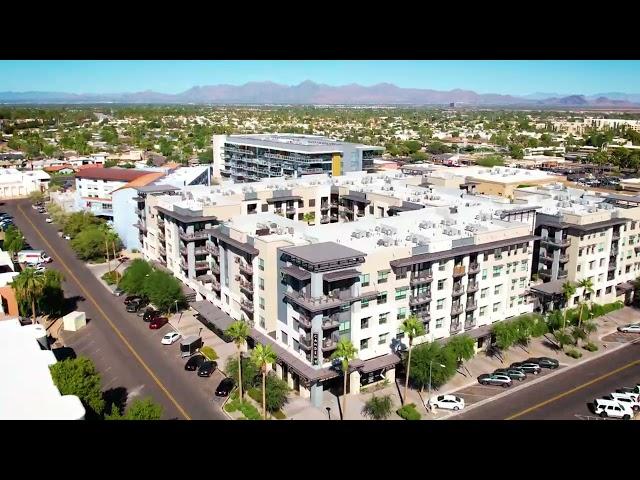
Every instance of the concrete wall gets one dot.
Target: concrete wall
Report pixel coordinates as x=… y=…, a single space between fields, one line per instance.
x=125 y=217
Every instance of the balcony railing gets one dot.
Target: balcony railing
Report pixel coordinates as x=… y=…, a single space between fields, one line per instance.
x=472 y=306
x=330 y=322
x=424 y=316
x=215 y=285
x=160 y=223
x=247 y=269
x=291 y=209
x=456 y=309
x=304 y=321
x=562 y=274
x=469 y=324
x=246 y=286
x=474 y=267
x=612 y=266
x=614 y=252
x=420 y=298
x=544 y=273
x=423 y=276
x=189 y=237
x=329 y=343
x=459 y=271
x=325 y=219
x=472 y=287
x=615 y=236
x=305 y=342
x=455 y=327
x=247 y=306
x=215 y=269
x=458 y=290
x=324 y=206
x=315 y=303
x=561 y=243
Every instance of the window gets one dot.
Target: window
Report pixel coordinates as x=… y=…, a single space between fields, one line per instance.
x=578 y=268
x=265 y=207
x=484 y=274
x=364 y=280
x=483 y=310
x=580 y=252
x=601 y=247
x=627 y=269
x=440 y=304
x=484 y=292
x=364 y=343
x=312 y=202
x=226 y=298
x=261 y=303
x=496 y=289
x=486 y=256
x=402 y=312
x=300 y=216
x=371 y=210
x=285 y=338
x=592 y=264
x=382 y=318
x=441 y=266
x=383 y=276
x=497 y=271
x=382 y=298
x=524 y=265
x=364 y=322
x=497 y=254
x=440 y=284
x=261 y=264
x=608 y=290
x=601 y=277
x=261 y=283
x=439 y=322
x=382 y=339
x=496 y=306
x=513 y=283
x=522 y=282
x=364 y=303
x=401 y=293
x=262 y=322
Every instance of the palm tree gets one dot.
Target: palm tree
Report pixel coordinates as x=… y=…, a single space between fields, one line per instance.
x=238 y=332
x=412 y=327
x=263 y=355
x=568 y=291
x=28 y=285
x=587 y=285
x=562 y=337
x=345 y=352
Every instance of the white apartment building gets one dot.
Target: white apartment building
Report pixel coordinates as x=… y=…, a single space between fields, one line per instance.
x=15 y=183
x=612 y=123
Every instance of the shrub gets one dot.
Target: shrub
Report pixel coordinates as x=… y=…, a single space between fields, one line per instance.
x=209 y=352
x=249 y=411
x=573 y=353
x=256 y=394
x=409 y=412
x=112 y=277
x=590 y=347
x=279 y=415
x=250 y=373
x=378 y=408
x=232 y=405
x=275 y=395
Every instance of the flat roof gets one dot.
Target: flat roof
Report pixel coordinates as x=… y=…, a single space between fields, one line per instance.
x=112 y=174
x=298 y=143
x=187 y=218
x=323 y=252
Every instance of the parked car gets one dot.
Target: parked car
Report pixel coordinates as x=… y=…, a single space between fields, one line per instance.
x=194 y=363
x=207 y=368
x=635 y=389
x=170 y=338
x=448 y=402
x=630 y=399
x=512 y=373
x=630 y=328
x=149 y=314
x=118 y=292
x=134 y=305
x=491 y=379
x=225 y=387
x=48 y=220
x=610 y=408
x=158 y=322
x=544 y=362
x=131 y=298
x=526 y=367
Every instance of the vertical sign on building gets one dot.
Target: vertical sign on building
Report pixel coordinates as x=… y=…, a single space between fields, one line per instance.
x=314 y=349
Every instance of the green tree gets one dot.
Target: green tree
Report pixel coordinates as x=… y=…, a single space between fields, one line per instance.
x=134 y=276
x=568 y=291
x=345 y=352
x=432 y=354
x=263 y=356
x=250 y=372
x=309 y=217
x=505 y=334
x=13 y=240
x=238 y=332
x=276 y=393
x=490 y=161
x=419 y=156
x=51 y=300
x=36 y=196
x=463 y=348
x=79 y=221
x=143 y=409
x=90 y=243
x=79 y=377
x=587 y=285
x=516 y=151
x=562 y=337
x=28 y=286
x=163 y=290
x=412 y=327
x=206 y=156
x=378 y=408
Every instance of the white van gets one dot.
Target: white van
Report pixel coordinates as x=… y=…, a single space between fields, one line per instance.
x=630 y=399
x=611 y=408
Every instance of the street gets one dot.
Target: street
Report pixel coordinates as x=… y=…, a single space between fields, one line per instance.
x=127 y=354
x=566 y=395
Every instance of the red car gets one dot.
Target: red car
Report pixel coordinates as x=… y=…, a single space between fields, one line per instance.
x=158 y=322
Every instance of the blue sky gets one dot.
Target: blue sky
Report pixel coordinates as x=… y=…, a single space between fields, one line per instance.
x=169 y=76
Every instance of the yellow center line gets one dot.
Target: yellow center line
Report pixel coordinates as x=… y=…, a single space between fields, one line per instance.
x=573 y=390
x=115 y=329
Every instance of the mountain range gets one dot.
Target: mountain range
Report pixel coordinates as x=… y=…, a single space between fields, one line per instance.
x=311 y=93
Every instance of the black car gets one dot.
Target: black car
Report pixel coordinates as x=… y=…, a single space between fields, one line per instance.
x=194 y=363
x=131 y=298
x=150 y=314
x=544 y=362
x=225 y=387
x=207 y=368
x=512 y=373
x=135 y=305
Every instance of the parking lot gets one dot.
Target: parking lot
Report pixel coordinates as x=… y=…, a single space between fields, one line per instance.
x=620 y=337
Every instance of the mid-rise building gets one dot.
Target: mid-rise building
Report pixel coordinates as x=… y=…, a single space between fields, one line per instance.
x=16 y=184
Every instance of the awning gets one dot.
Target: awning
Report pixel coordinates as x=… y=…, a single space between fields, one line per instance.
x=297 y=273
x=341 y=275
x=378 y=363
x=287 y=198
x=625 y=287
x=356 y=198
x=213 y=314
x=549 y=288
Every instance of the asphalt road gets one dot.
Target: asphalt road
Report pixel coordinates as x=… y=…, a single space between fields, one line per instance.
x=126 y=352
x=567 y=395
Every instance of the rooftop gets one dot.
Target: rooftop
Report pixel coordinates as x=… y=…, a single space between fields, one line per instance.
x=111 y=174
x=293 y=142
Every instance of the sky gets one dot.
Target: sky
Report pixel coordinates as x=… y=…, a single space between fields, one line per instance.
x=174 y=76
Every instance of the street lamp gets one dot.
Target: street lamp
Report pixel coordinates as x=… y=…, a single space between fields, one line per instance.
x=430 y=364
x=329 y=412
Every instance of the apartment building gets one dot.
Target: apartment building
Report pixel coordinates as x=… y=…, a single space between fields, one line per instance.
x=16 y=184
x=249 y=158
x=612 y=123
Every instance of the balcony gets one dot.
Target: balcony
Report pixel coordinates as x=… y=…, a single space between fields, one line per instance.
x=200 y=250
x=246 y=287
x=615 y=235
x=162 y=250
x=201 y=265
x=211 y=248
x=419 y=299
x=424 y=316
x=215 y=285
x=469 y=324
x=424 y=276
x=474 y=267
x=614 y=252
x=455 y=328
x=291 y=209
x=612 y=266
x=215 y=269
x=459 y=271
x=564 y=258
x=161 y=236
x=472 y=287
x=456 y=309
x=160 y=223
x=325 y=219
x=561 y=243
x=471 y=306
x=330 y=322
x=140 y=226
x=457 y=290
x=314 y=304
x=334 y=204
x=546 y=257
x=246 y=269
x=562 y=274
x=304 y=321
x=247 y=306
x=329 y=343
x=305 y=342
x=360 y=213
x=190 y=237
x=544 y=273
x=324 y=206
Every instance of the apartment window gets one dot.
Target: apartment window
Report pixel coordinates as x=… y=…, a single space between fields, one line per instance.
x=578 y=268
x=364 y=343
x=261 y=303
x=496 y=306
x=484 y=274
x=511 y=302
x=496 y=289
x=301 y=216
x=601 y=277
x=261 y=283
x=592 y=264
x=285 y=337
x=382 y=339
x=524 y=265
x=484 y=292
x=263 y=323
x=486 y=256
x=497 y=271
x=601 y=247
x=580 y=252
x=261 y=264
x=439 y=322
x=401 y=293
x=513 y=284
x=520 y=299
x=312 y=202
x=440 y=284
x=382 y=298
x=371 y=210
x=382 y=318
x=483 y=310
x=440 y=304
x=265 y=207
x=576 y=300
x=226 y=297
x=497 y=254
x=383 y=276
x=602 y=262
x=364 y=280
x=627 y=269
x=364 y=322
x=402 y=312
x=522 y=282
x=364 y=303
x=608 y=290
x=441 y=266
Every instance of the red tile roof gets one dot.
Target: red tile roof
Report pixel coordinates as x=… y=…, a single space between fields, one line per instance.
x=111 y=174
